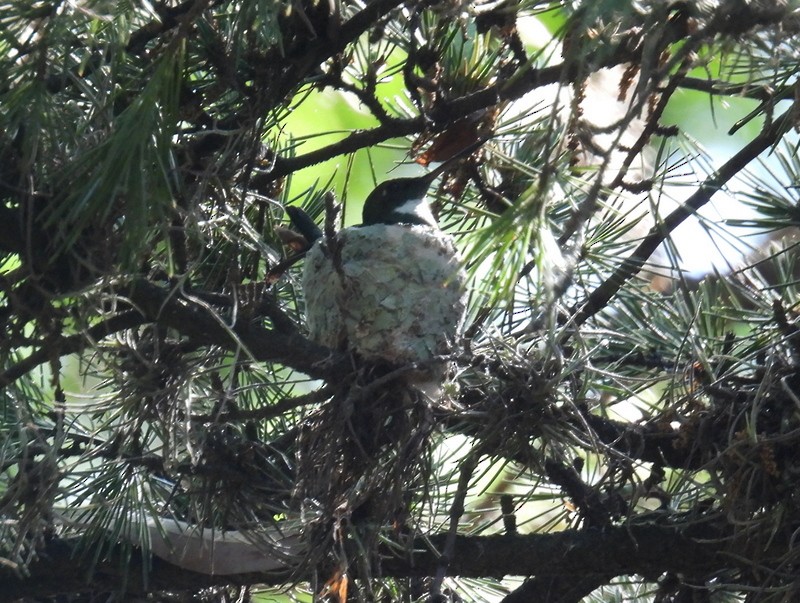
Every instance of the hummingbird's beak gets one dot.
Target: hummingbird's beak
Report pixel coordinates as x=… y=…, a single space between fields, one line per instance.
x=466 y=152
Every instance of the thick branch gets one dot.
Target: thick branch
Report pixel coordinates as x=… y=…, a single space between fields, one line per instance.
x=443 y=114
x=557 y=588
x=204 y=326
x=649 y=443
x=649 y=549
x=352 y=143
x=71 y=345
x=198 y=322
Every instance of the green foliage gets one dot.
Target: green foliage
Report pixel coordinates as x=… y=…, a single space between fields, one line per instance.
x=155 y=364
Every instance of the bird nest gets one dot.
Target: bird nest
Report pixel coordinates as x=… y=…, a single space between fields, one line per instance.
x=387 y=292
x=393 y=296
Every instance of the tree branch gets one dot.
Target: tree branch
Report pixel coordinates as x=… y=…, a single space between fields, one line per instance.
x=721 y=88
x=71 y=345
x=649 y=549
x=599 y=298
x=446 y=112
x=569 y=589
x=200 y=323
x=443 y=114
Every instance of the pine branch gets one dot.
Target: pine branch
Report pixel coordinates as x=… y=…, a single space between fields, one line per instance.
x=71 y=345
x=202 y=325
x=443 y=114
x=604 y=293
x=648 y=549
x=198 y=322
x=517 y=85
x=722 y=88
x=169 y=17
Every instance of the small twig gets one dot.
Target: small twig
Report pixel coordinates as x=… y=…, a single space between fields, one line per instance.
x=509 y=515
x=268 y=412
x=788 y=330
x=366 y=95
x=332 y=242
x=721 y=88
x=279 y=269
x=376 y=385
x=653 y=120
x=583 y=496
x=468 y=466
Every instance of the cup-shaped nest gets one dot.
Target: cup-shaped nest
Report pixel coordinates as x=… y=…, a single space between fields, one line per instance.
x=387 y=292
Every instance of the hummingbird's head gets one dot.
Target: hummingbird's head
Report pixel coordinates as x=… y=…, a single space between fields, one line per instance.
x=400 y=201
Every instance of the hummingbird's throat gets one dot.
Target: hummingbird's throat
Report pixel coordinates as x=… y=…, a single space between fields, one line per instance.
x=419 y=209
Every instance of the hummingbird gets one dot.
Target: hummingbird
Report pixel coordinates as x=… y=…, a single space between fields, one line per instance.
x=397 y=201
x=403 y=200
x=304 y=225
x=392 y=288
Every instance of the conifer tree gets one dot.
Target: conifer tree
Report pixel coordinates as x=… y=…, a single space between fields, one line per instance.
x=606 y=424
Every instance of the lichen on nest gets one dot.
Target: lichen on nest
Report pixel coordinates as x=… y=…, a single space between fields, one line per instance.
x=397 y=293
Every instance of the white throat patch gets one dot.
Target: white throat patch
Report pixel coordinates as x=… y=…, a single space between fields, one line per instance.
x=419 y=208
